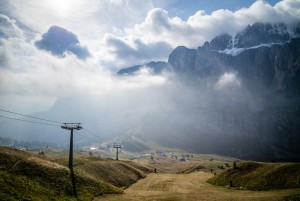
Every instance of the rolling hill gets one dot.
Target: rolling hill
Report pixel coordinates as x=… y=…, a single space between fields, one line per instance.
x=260 y=176
x=25 y=176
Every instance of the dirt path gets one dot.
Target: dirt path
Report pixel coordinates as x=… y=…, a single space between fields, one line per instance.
x=190 y=187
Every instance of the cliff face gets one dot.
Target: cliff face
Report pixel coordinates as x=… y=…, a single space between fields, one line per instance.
x=265 y=59
x=246 y=97
x=276 y=66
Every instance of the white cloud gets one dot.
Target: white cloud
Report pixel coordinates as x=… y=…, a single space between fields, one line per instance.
x=152 y=38
x=118 y=33
x=127 y=32
x=201 y=27
x=29 y=74
x=89 y=20
x=127 y=51
x=8 y=27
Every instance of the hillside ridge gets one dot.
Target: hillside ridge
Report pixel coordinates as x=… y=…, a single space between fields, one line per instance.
x=27 y=176
x=260 y=176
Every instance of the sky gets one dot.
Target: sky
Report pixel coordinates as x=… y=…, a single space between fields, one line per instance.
x=57 y=48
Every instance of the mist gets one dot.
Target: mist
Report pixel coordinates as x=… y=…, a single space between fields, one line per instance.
x=165 y=109
x=205 y=113
x=213 y=99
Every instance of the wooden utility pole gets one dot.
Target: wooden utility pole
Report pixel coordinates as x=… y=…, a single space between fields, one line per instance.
x=71 y=127
x=117 y=146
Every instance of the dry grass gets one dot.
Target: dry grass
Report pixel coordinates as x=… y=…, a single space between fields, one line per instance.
x=260 y=176
x=118 y=173
x=169 y=165
x=24 y=176
x=190 y=187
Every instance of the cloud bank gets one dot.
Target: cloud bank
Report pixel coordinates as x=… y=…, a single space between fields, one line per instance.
x=159 y=30
x=126 y=32
x=117 y=34
x=202 y=27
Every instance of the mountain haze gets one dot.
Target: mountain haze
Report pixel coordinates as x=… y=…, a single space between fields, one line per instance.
x=251 y=82
x=235 y=95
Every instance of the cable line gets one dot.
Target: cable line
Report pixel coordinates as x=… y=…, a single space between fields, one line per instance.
x=24 y=115
x=92 y=140
x=29 y=121
x=48 y=124
x=87 y=131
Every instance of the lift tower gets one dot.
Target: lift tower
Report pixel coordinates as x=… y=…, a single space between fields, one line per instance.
x=71 y=127
x=117 y=146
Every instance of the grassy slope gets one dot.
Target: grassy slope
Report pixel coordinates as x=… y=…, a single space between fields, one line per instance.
x=261 y=176
x=205 y=162
x=24 y=176
x=118 y=173
x=191 y=187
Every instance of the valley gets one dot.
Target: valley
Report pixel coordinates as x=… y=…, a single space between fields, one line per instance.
x=155 y=176
x=151 y=100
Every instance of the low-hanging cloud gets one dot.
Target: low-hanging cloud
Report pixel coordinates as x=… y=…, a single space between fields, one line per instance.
x=29 y=72
x=228 y=79
x=130 y=50
x=156 y=107
x=150 y=106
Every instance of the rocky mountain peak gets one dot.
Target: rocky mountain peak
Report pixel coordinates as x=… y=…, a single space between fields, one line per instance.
x=254 y=35
x=221 y=42
x=260 y=33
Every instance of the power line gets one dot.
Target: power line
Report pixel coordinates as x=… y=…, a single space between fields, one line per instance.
x=48 y=124
x=91 y=133
x=24 y=115
x=29 y=121
x=92 y=140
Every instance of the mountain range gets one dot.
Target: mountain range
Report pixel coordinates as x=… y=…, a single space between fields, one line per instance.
x=253 y=82
x=235 y=95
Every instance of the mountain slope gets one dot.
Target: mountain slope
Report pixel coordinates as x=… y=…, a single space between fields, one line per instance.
x=246 y=96
x=260 y=176
x=256 y=92
x=27 y=176
x=190 y=187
